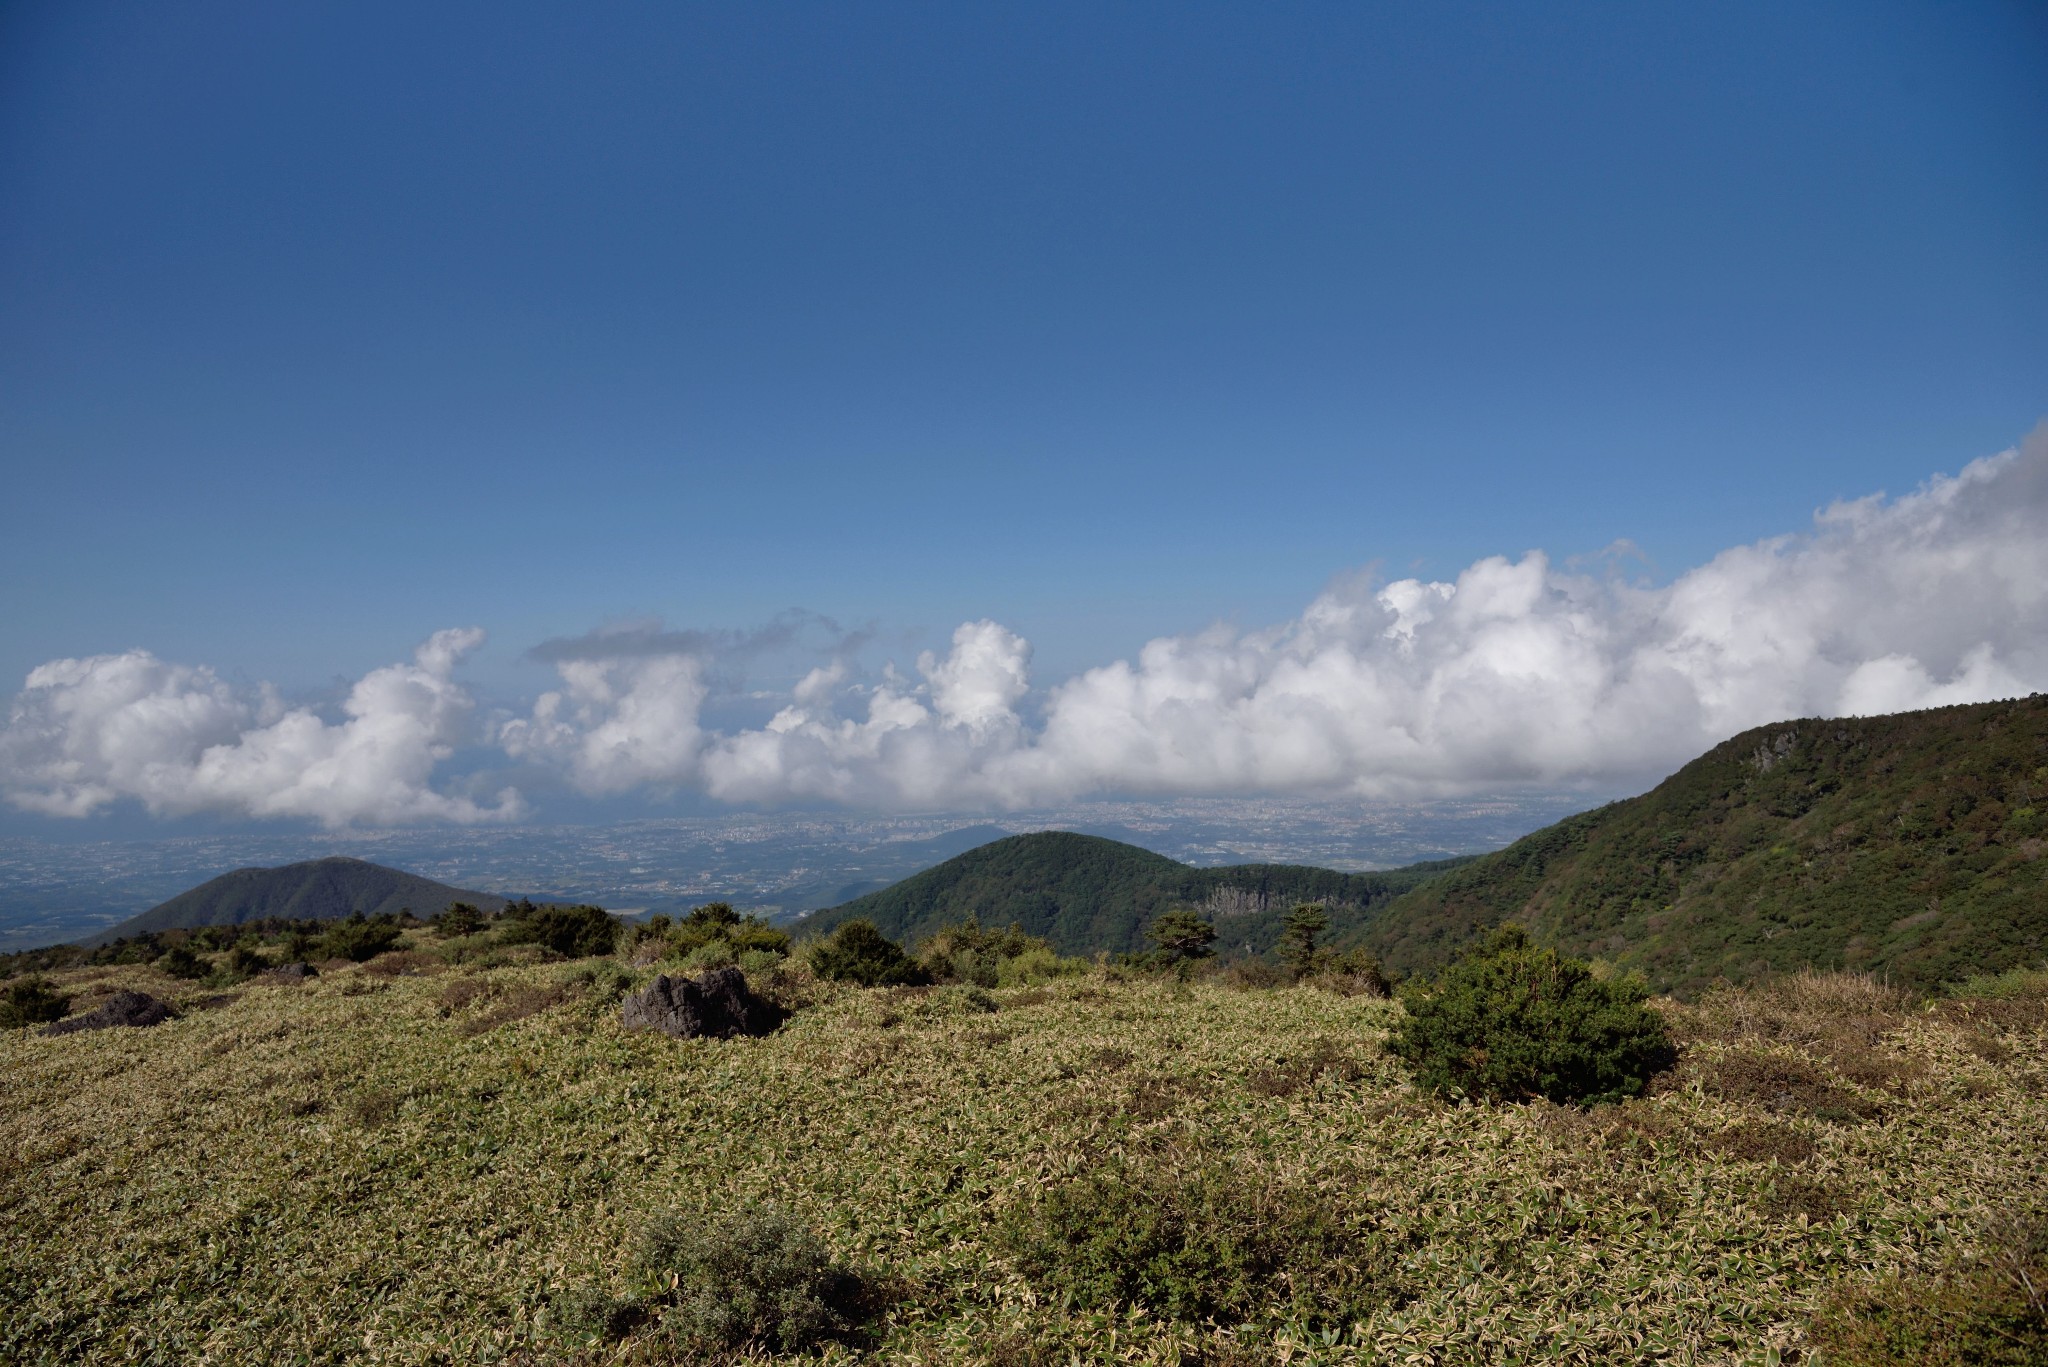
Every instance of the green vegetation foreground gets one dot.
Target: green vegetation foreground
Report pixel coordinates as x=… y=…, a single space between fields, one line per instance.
x=411 y=1161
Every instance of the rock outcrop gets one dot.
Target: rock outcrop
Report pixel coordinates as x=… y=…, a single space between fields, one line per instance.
x=718 y=1006
x=123 y=1008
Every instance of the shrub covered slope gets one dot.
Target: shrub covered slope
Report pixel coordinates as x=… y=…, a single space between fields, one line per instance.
x=1910 y=845
x=1086 y=894
x=452 y=1153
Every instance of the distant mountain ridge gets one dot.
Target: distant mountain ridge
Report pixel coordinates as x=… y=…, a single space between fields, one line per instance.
x=1913 y=845
x=1086 y=894
x=315 y=890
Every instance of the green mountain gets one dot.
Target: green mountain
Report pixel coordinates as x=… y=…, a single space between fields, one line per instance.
x=1085 y=894
x=1909 y=845
x=319 y=889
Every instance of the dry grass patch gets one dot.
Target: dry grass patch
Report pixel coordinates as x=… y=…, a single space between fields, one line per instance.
x=1323 y=1058
x=405 y=963
x=516 y=1005
x=1765 y=1142
x=373 y=1107
x=1783 y=1084
x=464 y=993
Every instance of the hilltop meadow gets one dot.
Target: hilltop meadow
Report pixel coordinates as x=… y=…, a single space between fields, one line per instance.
x=451 y=1152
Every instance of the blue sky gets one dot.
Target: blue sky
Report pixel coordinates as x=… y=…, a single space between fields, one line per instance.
x=327 y=327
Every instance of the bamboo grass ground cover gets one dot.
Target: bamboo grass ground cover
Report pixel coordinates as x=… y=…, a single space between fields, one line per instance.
x=433 y=1164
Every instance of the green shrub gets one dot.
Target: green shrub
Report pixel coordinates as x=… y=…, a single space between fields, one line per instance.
x=966 y=953
x=359 y=937
x=655 y=928
x=755 y=1277
x=1039 y=964
x=857 y=952
x=180 y=962
x=577 y=932
x=754 y=962
x=1509 y=1021
x=708 y=922
x=1355 y=973
x=711 y=954
x=1197 y=1239
x=241 y=964
x=714 y=935
x=605 y=980
x=29 y=1001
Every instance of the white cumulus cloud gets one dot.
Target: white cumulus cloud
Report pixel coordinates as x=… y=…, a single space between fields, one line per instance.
x=1517 y=671
x=85 y=733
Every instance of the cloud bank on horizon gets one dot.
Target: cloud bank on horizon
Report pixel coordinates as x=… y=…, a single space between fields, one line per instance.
x=1518 y=672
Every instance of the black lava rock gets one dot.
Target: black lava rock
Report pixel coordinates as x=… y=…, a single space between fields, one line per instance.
x=717 y=1005
x=123 y=1008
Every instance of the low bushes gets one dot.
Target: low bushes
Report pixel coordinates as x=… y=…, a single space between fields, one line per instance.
x=753 y=1278
x=968 y=954
x=1991 y=1311
x=29 y=1001
x=1510 y=1021
x=578 y=932
x=857 y=952
x=359 y=937
x=239 y=965
x=180 y=962
x=1356 y=973
x=1193 y=1238
x=712 y=936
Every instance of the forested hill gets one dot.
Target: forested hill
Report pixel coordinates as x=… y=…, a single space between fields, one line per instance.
x=1085 y=893
x=319 y=889
x=1910 y=845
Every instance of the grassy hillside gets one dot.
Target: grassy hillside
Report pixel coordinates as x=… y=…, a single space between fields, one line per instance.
x=316 y=890
x=412 y=1161
x=1910 y=845
x=1085 y=893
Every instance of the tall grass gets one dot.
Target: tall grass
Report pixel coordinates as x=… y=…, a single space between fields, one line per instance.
x=437 y=1166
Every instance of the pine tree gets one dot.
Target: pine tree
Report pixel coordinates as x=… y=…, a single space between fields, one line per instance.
x=1304 y=925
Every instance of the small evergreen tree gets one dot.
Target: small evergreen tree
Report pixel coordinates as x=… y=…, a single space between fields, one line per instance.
x=459 y=919
x=1182 y=937
x=1510 y=1021
x=1304 y=926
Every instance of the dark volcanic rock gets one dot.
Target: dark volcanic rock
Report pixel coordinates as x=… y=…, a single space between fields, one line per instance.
x=716 y=1005
x=123 y=1008
x=292 y=972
